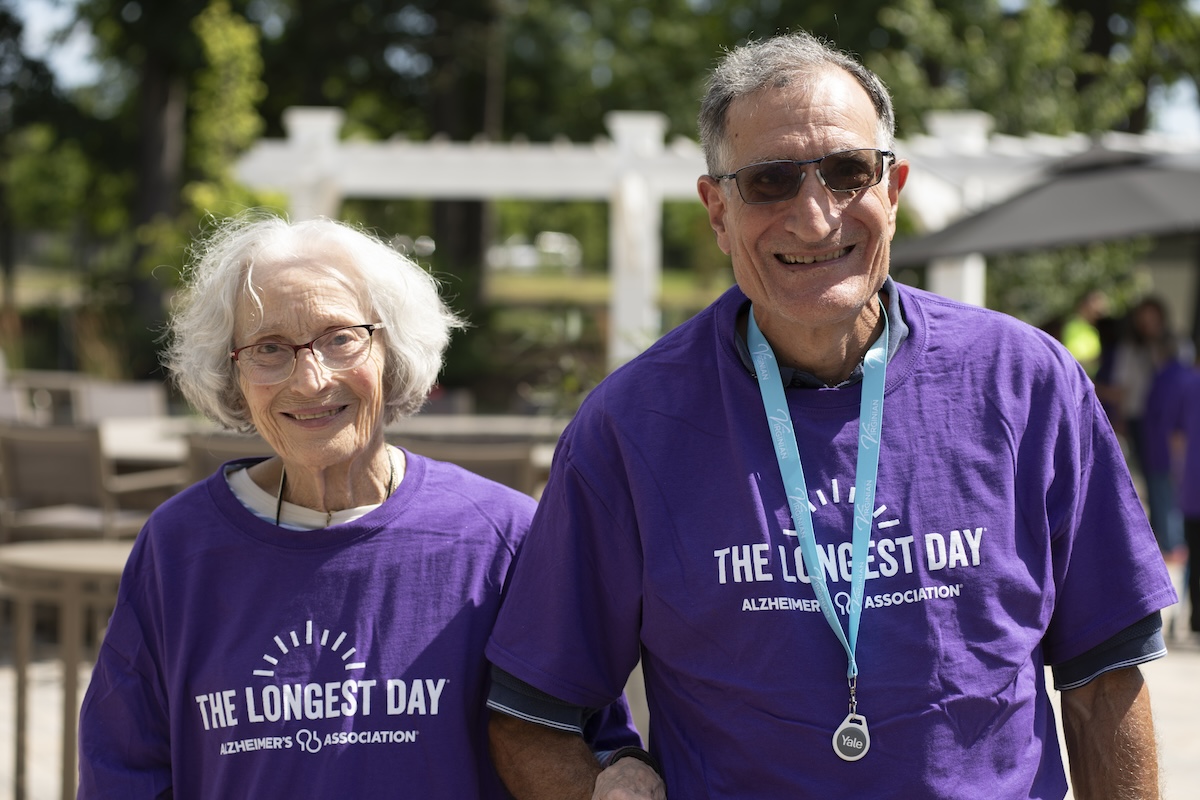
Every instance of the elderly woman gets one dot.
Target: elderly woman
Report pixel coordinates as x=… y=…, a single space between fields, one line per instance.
x=311 y=624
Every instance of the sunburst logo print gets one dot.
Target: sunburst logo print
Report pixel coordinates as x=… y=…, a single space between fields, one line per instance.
x=289 y=642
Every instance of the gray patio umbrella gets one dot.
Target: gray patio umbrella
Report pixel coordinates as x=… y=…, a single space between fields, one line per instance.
x=1099 y=195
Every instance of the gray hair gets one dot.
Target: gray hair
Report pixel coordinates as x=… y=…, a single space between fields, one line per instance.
x=778 y=62
x=401 y=295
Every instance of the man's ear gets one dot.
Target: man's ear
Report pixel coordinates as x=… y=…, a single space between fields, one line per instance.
x=712 y=194
x=897 y=177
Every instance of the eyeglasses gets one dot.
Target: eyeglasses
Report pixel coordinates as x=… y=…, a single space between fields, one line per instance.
x=272 y=362
x=776 y=181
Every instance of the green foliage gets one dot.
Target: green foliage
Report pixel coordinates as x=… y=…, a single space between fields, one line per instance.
x=53 y=177
x=570 y=63
x=398 y=217
x=223 y=123
x=1022 y=68
x=549 y=358
x=26 y=85
x=586 y=221
x=690 y=245
x=1042 y=68
x=1041 y=287
x=227 y=91
x=89 y=182
x=538 y=69
x=136 y=32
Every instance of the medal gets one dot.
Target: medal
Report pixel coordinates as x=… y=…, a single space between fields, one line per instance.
x=851 y=740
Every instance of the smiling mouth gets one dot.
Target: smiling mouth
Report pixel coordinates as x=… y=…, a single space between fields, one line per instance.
x=803 y=260
x=318 y=415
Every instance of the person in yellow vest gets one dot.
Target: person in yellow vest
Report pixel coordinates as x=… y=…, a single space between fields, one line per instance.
x=1079 y=332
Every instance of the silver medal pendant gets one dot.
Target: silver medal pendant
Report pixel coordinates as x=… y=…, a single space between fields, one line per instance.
x=852 y=740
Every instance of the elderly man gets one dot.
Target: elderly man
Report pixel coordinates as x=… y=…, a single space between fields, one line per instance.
x=844 y=524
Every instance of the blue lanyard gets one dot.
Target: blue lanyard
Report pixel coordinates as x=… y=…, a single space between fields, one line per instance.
x=787 y=452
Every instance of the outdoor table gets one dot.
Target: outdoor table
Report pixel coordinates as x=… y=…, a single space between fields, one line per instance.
x=76 y=576
x=49 y=392
x=141 y=442
x=451 y=427
x=133 y=443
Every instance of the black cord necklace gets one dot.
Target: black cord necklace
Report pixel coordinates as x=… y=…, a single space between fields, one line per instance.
x=391 y=487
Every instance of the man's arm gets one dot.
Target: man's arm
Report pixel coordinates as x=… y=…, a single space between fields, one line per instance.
x=540 y=763
x=1110 y=738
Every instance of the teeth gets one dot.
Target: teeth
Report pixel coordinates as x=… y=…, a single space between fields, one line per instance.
x=328 y=413
x=814 y=259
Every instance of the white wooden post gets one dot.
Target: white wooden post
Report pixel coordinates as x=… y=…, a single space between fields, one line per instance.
x=635 y=236
x=312 y=187
x=964 y=133
x=961 y=278
x=634 y=172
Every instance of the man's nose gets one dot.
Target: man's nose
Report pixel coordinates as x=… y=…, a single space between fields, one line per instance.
x=813 y=213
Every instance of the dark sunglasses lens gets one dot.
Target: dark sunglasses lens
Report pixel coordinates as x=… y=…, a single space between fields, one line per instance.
x=852 y=170
x=769 y=182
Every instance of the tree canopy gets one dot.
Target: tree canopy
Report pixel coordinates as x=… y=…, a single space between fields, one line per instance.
x=128 y=167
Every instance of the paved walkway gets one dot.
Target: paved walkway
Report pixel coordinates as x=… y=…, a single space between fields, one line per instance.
x=1175 y=694
x=1174 y=684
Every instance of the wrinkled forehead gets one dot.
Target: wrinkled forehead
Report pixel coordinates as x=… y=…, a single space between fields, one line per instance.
x=806 y=117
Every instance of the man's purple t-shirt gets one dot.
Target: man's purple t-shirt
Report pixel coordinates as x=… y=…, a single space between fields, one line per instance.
x=244 y=660
x=1007 y=535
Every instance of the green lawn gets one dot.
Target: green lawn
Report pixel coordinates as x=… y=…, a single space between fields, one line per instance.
x=680 y=290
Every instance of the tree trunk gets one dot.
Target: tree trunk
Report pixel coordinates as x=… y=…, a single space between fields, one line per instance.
x=8 y=248
x=163 y=119
x=467 y=100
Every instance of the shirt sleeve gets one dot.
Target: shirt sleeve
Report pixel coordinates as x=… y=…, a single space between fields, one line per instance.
x=1109 y=575
x=124 y=739
x=513 y=696
x=604 y=729
x=584 y=551
x=1138 y=644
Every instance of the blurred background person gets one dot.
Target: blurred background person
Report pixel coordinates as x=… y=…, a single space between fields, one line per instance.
x=1186 y=443
x=310 y=624
x=1144 y=346
x=1080 y=333
x=1147 y=368
x=1159 y=468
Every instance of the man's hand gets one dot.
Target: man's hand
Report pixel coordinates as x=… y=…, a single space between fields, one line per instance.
x=629 y=779
x=540 y=763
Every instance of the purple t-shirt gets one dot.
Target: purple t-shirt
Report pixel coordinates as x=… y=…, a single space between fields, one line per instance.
x=1007 y=535
x=243 y=660
x=1187 y=421
x=1162 y=402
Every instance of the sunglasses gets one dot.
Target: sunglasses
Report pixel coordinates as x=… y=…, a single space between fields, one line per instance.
x=776 y=181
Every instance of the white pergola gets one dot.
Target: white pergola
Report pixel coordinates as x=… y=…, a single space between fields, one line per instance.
x=956 y=169
x=634 y=172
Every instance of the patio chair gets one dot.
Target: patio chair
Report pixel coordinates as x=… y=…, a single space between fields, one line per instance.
x=57 y=483
x=509 y=463
x=93 y=401
x=14 y=405
x=209 y=450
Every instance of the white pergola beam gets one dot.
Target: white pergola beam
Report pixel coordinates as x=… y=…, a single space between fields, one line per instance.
x=634 y=173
